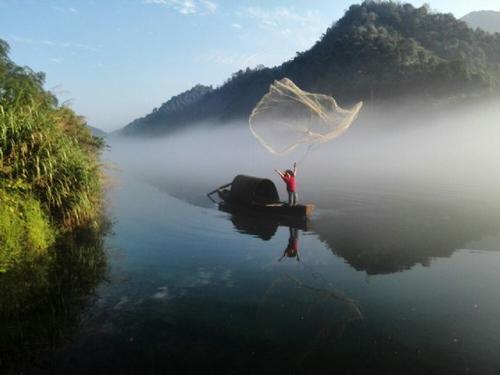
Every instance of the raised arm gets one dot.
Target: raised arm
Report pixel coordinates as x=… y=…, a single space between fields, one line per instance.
x=280 y=173
x=295 y=169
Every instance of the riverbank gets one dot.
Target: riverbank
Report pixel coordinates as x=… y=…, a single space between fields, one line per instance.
x=51 y=180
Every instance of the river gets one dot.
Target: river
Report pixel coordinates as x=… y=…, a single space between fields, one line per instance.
x=392 y=278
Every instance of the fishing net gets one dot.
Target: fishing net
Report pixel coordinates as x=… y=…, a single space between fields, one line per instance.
x=287 y=117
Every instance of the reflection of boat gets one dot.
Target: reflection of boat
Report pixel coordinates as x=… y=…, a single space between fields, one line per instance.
x=261 y=225
x=259 y=195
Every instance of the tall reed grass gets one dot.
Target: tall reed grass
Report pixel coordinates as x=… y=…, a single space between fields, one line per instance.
x=47 y=154
x=54 y=153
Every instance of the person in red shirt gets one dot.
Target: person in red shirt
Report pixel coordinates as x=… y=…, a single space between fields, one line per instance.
x=291 y=186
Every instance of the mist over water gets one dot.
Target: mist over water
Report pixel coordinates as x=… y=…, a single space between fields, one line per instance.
x=402 y=186
x=388 y=149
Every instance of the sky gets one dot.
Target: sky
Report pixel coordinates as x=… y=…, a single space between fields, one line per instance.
x=115 y=60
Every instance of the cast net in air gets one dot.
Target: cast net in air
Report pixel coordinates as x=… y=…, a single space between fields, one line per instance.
x=287 y=117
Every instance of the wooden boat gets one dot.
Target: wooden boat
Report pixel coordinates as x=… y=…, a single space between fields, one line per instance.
x=259 y=195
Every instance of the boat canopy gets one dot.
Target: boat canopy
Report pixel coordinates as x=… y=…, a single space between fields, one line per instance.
x=250 y=190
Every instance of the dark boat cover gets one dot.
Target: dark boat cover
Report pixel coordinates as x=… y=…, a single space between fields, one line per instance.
x=250 y=190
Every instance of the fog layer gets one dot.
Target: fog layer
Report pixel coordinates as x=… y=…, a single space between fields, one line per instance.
x=432 y=154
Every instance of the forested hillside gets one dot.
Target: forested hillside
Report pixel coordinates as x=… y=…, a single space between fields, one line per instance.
x=174 y=110
x=377 y=51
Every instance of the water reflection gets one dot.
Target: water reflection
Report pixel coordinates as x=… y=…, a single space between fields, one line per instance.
x=42 y=301
x=307 y=314
x=193 y=293
x=260 y=225
x=388 y=237
x=292 y=248
x=303 y=299
x=382 y=236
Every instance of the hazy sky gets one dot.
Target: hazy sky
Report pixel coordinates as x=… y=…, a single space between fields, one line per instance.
x=118 y=59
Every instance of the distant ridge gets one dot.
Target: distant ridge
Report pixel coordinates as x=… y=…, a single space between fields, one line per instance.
x=377 y=51
x=488 y=20
x=97 y=132
x=171 y=111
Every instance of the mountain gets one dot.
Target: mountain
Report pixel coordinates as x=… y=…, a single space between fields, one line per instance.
x=377 y=51
x=173 y=111
x=97 y=132
x=488 y=20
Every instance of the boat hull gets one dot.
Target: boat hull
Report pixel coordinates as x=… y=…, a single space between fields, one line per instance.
x=275 y=209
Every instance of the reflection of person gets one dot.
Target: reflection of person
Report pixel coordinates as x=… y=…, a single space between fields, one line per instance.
x=292 y=249
x=291 y=187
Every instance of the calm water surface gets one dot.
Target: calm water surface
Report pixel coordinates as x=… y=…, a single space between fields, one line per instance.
x=385 y=279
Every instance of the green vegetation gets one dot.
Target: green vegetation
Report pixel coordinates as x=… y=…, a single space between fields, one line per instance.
x=378 y=51
x=23 y=224
x=50 y=175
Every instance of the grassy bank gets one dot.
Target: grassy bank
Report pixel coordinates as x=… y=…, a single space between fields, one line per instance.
x=25 y=229
x=50 y=173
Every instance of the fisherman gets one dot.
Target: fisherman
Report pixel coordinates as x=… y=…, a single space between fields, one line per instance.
x=291 y=187
x=292 y=249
